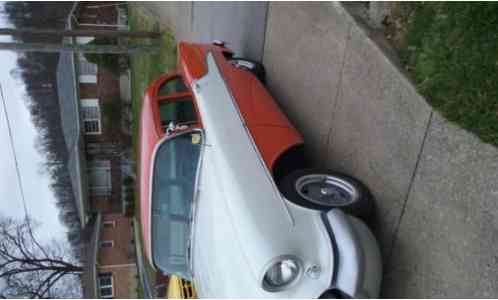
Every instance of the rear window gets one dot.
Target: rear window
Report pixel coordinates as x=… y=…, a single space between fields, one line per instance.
x=172 y=86
x=173 y=187
x=178 y=111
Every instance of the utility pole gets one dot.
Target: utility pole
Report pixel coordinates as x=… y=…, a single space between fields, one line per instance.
x=76 y=48
x=79 y=32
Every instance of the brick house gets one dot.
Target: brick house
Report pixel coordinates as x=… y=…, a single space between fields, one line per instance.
x=110 y=269
x=94 y=103
x=100 y=92
x=117 y=271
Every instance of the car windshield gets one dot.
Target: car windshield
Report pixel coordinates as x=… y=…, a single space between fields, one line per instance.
x=173 y=187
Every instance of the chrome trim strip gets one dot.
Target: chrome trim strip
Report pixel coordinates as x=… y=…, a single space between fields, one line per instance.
x=253 y=143
x=348 y=271
x=333 y=242
x=193 y=213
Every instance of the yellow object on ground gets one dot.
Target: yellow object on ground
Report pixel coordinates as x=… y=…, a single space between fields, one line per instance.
x=179 y=288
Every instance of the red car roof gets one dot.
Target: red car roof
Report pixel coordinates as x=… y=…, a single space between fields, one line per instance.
x=191 y=62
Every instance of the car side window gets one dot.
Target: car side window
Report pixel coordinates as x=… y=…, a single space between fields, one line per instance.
x=172 y=86
x=178 y=111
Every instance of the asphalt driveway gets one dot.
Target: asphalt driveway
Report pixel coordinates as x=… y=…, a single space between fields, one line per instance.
x=241 y=24
x=436 y=185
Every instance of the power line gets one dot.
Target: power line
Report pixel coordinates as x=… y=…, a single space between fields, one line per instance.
x=9 y=130
x=19 y=181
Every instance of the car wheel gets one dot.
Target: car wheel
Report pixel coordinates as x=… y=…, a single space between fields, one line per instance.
x=324 y=189
x=334 y=294
x=252 y=66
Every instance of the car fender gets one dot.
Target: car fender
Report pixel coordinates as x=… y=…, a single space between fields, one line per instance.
x=358 y=261
x=259 y=225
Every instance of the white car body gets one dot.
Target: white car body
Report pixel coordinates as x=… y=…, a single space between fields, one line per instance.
x=241 y=222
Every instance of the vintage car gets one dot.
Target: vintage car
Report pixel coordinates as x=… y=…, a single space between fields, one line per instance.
x=179 y=288
x=228 y=200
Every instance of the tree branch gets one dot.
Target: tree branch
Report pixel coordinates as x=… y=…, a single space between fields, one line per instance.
x=46 y=281
x=29 y=268
x=50 y=284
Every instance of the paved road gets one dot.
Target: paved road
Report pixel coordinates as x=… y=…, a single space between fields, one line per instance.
x=241 y=24
x=436 y=185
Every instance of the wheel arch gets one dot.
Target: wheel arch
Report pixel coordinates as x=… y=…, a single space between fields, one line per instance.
x=293 y=158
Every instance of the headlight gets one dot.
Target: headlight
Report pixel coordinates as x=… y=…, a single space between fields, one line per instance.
x=282 y=273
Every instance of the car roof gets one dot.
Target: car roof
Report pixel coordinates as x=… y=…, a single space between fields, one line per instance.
x=191 y=58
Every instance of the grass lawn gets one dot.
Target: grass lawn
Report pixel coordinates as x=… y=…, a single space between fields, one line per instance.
x=146 y=67
x=140 y=291
x=451 y=51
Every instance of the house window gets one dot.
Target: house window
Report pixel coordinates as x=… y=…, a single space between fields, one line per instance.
x=87 y=78
x=99 y=177
x=105 y=285
x=106 y=244
x=109 y=224
x=122 y=18
x=84 y=39
x=90 y=112
x=87 y=71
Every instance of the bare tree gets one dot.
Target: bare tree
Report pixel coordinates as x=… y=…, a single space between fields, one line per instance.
x=29 y=268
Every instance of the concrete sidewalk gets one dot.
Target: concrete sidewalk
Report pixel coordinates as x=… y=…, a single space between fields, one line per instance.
x=436 y=185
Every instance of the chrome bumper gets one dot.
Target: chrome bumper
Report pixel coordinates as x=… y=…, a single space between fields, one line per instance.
x=358 y=265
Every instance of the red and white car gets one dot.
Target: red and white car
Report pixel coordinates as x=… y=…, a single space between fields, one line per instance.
x=227 y=199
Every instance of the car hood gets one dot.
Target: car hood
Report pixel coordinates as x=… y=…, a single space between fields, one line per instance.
x=241 y=221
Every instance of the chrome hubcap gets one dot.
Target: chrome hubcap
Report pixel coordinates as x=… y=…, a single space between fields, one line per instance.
x=326 y=190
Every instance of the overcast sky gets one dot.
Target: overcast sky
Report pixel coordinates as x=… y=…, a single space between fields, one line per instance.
x=40 y=200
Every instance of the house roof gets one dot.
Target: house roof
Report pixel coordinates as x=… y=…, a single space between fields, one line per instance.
x=68 y=98
x=89 y=275
x=67 y=89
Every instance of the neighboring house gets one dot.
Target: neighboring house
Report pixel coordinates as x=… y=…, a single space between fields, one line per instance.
x=110 y=263
x=99 y=148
